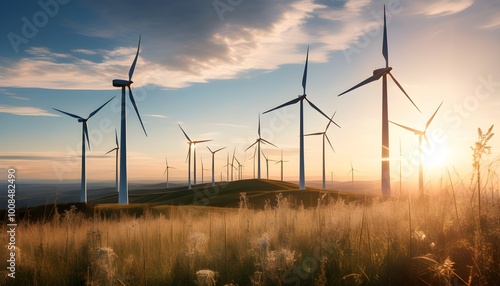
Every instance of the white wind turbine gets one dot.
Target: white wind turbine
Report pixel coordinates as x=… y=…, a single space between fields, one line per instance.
x=193 y=144
x=117 y=149
x=281 y=161
x=301 y=98
x=420 y=133
x=202 y=172
x=267 y=163
x=213 y=162
x=123 y=195
x=258 y=141
x=352 y=174
x=377 y=74
x=325 y=136
x=85 y=136
x=167 y=167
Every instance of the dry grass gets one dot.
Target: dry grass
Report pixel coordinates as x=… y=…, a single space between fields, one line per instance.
x=392 y=242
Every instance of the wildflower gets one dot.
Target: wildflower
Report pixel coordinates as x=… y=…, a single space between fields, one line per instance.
x=419 y=235
x=206 y=277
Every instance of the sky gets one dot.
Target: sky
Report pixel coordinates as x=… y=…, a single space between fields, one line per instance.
x=213 y=66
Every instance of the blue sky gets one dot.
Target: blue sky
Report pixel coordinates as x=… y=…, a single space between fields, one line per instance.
x=212 y=66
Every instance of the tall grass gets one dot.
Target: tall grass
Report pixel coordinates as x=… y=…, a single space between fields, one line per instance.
x=382 y=242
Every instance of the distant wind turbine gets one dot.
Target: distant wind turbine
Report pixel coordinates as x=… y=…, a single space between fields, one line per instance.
x=301 y=98
x=258 y=141
x=267 y=163
x=420 y=134
x=377 y=74
x=117 y=149
x=213 y=164
x=325 y=136
x=352 y=174
x=281 y=162
x=202 y=171
x=123 y=195
x=85 y=136
x=192 y=144
x=167 y=167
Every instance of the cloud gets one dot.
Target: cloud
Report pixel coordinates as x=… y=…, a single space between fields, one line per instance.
x=24 y=110
x=441 y=7
x=186 y=42
x=156 y=115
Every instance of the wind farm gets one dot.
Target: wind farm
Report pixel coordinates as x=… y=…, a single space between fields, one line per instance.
x=115 y=207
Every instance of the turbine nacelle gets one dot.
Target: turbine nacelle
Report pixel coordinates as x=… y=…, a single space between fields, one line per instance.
x=121 y=83
x=382 y=71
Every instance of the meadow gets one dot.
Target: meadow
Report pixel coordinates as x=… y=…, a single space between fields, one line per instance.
x=439 y=240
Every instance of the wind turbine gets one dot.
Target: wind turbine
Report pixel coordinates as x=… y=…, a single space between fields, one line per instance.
x=85 y=136
x=123 y=195
x=202 y=171
x=324 y=151
x=240 y=168
x=117 y=148
x=301 y=98
x=420 y=134
x=167 y=167
x=377 y=74
x=352 y=174
x=192 y=143
x=267 y=163
x=213 y=156
x=281 y=161
x=258 y=141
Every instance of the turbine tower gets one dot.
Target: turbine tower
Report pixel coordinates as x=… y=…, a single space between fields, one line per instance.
x=377 y=74
x=193 y=144
x=117 y=149
x=324 y=151
x=85 y=136
x=301 y=98
x=213 y=164
x=420 y=133
x=258 y=141
x=123 y=195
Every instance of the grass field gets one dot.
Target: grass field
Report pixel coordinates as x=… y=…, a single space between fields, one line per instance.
x=269 y=237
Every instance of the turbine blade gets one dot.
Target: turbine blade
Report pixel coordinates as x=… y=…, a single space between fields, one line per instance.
x=116 y=137
x=136 y=110
x=293 y=101
x=187 y=137
x=132 y=67
x=267 y=142
x=368 y=80
x=258 y=130
x=319 y=110
x=97 y=110
x=426 y=139
x=110 y=151
x=328 y=139
x=86 y=132
x=400 y=87
x=219 y=149
x=210 y=150
x=407 y=128
x=252 y=145
x=189 y=151
x=330 y=121
x=304 y=76
x=67 y=113
x=201 y=141
x=385 y=50
x=313 y=134
x=432 y=117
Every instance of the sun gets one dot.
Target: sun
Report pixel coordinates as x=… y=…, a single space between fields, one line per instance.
x=435 y=157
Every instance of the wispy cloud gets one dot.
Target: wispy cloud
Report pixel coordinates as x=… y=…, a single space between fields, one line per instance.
x=231 y=125
x=441 y=7
x=156 y=115
x=24 y=111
